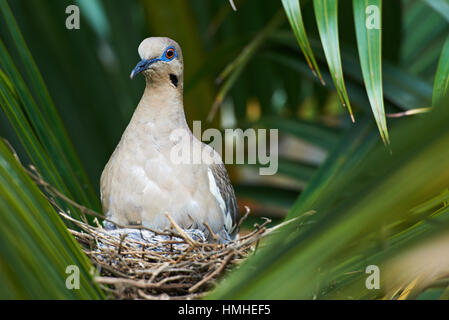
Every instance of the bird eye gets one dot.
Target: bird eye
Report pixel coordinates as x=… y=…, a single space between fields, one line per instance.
x=170 y=53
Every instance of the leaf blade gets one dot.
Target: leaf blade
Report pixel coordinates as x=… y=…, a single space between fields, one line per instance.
x=293 y=11
x=369 y=41
x=326 y=13
x=34 y=264
x=43 y=114
x=441 y=83
x=440 y=6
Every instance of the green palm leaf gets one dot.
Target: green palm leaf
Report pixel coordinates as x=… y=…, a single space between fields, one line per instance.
x=12 y=107
x=359 y=196
x=369 y=42
x=35 y=246
x=441 y=84
x=441 y=6
x=293 y=10
x=326 y=12
x=43 y=116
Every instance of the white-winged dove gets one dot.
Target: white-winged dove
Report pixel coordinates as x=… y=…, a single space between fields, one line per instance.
x=140 y=182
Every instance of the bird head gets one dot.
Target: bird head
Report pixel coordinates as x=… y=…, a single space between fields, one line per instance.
x=161 y=59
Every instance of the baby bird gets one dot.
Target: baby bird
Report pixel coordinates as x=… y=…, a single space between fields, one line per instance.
x=141 y=182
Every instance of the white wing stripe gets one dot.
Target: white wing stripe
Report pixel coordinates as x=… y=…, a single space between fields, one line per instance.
x=217 y=194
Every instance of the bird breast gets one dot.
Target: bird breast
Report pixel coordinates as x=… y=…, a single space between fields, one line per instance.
x=140 y=183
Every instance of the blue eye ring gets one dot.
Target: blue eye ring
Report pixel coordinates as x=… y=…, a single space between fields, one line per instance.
x=169 y=54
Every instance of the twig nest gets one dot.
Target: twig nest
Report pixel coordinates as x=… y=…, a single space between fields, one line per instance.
x=149 y=240
x=137 y=263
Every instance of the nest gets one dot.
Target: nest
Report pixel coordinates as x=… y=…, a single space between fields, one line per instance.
x=175 y=264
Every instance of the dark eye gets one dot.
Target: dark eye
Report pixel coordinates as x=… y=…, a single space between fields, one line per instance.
x=170 y=53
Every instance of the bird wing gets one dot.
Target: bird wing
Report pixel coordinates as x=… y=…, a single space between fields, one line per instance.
x=227 y=201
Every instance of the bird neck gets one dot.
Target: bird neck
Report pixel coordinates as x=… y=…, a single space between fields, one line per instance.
x=160 y=110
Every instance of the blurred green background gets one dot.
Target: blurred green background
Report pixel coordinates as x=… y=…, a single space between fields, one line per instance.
x=376 y=186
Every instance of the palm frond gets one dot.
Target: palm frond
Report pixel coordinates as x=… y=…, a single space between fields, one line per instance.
x=293 y=10
x=361 y=202
x=43 y=117
x=36 y=247
x=327 y=20
x=369 y=42
x=441 y=84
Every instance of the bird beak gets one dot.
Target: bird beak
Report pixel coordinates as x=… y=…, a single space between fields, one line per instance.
x=142 y=66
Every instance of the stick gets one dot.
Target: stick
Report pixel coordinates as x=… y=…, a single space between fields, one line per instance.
x=212 y=274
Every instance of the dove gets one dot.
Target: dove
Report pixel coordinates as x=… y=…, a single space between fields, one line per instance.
x=141 y=183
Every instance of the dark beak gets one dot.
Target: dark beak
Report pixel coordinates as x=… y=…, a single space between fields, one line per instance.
x=142 y=66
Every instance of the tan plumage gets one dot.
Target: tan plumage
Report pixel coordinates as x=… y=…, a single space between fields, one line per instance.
x=140 y=182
